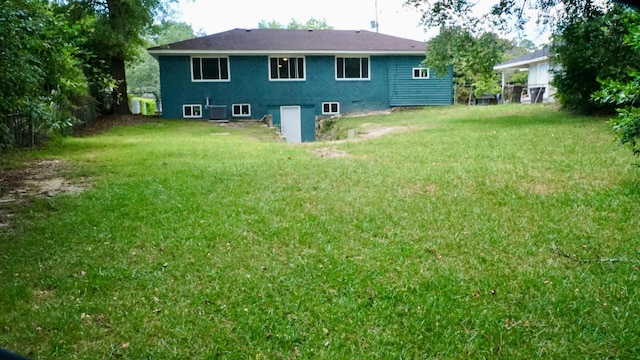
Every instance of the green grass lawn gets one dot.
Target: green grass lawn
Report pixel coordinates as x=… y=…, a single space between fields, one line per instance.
x=441 y=242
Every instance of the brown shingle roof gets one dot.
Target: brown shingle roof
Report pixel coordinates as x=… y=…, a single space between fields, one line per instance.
x=300 y=41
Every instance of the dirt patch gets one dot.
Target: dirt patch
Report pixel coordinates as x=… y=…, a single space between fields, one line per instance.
x=371 y=131
x=42 y=178
x=104 y=123
x=329 y=153
x=417 y=189
x=241 y=124
x=540 y=189
x=366 y=131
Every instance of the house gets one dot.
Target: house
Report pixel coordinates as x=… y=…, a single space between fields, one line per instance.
x=540 y=77
x=295 y=76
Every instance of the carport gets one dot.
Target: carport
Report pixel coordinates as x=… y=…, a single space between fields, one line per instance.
x=539 y=81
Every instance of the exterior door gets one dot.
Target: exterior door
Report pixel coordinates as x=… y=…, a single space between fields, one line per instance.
x=290 y=123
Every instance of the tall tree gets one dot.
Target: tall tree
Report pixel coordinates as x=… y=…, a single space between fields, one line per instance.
x=589 y=49
x=116 y=29
x=506 y=14
x=472 y=57
x=40 y=74
x=143 y=73
x=587 y=38
x=625 y=94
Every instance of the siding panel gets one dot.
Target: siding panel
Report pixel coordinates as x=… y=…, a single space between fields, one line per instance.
x=404 y=90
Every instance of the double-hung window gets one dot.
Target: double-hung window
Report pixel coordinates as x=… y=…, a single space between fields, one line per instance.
x=286 y=68
x=210 y=69
x=352 y=68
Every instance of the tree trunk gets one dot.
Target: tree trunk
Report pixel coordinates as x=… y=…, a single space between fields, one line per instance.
x=121 y=103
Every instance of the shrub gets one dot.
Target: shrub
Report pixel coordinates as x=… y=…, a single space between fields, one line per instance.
x=625 y=94
x=590 y=49
x=147 y=106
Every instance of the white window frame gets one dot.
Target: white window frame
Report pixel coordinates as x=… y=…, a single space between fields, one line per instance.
x=424 y=72
x=304 y=67
x=193 y=79
x=192 y=106
x=240 y=114
x=337 y=104
x=353 y=57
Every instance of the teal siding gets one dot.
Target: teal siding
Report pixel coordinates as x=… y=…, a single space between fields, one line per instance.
x=308 y=115
x=404 y=90
x=390 y=85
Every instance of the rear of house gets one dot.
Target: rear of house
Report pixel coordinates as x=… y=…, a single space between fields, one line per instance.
x=295 y=76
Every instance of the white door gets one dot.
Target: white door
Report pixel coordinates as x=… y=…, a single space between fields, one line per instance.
x=290 y=123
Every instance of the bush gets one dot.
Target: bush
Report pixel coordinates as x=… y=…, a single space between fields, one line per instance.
x=147 y=106
x=625 y=94
x=589 y=49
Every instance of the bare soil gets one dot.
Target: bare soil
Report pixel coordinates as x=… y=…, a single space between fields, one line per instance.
x=42 y=178
x=366 y=131
x=46 y=178
x=105 y=123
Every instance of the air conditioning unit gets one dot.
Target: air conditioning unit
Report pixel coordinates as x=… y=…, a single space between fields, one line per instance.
x=217 y=112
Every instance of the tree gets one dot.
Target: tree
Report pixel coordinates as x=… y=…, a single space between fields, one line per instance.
x=472 y=57
x=626 y=94
x=587 y=38
x=506 y=14
x=273 y=24
x=518 y=49
x=143 y=73
x=40 y=79
x=115 y=31
x=312 y=23
x=589 y=49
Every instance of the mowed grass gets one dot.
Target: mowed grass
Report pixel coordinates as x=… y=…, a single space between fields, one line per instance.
x=442 y=241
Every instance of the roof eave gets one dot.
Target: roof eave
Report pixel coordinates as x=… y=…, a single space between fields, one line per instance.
x=168 y=52
x=520 y=64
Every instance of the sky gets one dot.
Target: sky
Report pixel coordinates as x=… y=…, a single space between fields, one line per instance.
x=214 y=16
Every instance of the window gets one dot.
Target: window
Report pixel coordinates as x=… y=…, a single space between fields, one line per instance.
x=209 y=69
x=420 y=73
x=241 y=110
x=286 y=68
x=329 y=108
x=191 y=111
x=352 y=68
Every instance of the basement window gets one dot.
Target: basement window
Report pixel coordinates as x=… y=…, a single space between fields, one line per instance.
x=420 y=73
x=241 y=110
x=192 y=111
x=330 y=108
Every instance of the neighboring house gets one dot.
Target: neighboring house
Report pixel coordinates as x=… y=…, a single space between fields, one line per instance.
x=294 y=76
x=540 y=76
